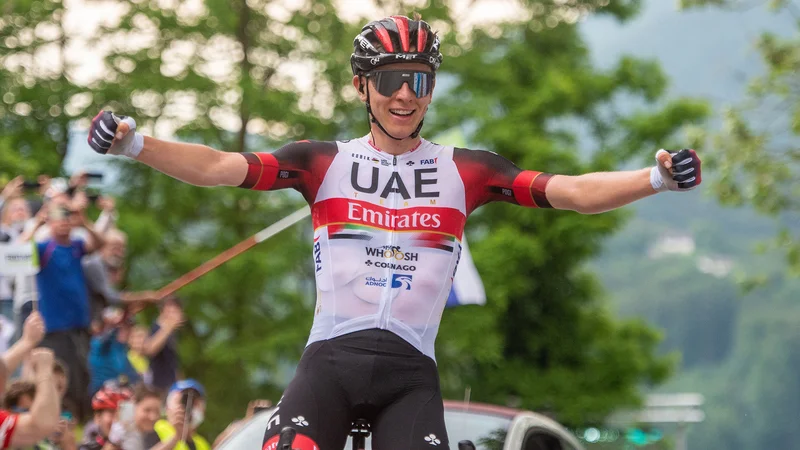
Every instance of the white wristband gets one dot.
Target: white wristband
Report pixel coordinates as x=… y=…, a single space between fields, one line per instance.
x=656 y=180
x=130 y=145
x=136 y=146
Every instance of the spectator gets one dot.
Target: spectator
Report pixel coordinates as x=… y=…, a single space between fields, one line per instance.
x=104 y=272
x=27 y=428
x=108 y=355
x=161 y=347
x=105 y=404
x=20 y=398
x=130 y=433
x=63 y=299
x=184 y=397
x=32 y=334
x=15 y=213
x=136 y=355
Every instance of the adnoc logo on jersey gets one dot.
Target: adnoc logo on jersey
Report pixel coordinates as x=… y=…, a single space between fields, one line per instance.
x=377 y=282
x=402 y=281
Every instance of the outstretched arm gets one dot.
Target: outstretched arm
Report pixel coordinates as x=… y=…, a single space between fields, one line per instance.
x=599 y=192
x=489 y=177
x=191 y=163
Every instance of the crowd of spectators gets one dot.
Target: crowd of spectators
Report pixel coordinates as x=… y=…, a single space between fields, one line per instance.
x=77 y=355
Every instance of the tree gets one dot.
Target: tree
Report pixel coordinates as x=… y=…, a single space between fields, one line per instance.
x=40 y=97
x=756 y=153
x=545 y=340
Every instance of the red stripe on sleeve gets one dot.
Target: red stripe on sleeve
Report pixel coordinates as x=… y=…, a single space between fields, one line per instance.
x=529 y=189
x=383 y=36
x=402 y=29
x=262 y=170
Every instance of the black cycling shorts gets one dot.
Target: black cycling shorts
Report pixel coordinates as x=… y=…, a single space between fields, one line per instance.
x=373 y=375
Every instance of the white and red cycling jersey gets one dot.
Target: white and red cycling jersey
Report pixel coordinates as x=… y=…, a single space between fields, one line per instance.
x=388 y=229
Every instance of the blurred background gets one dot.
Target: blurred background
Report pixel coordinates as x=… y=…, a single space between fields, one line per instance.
x=586 y=315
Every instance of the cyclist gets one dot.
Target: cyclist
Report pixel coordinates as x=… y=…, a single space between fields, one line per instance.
x=388 y=212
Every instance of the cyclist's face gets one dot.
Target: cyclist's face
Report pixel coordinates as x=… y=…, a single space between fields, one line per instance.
x=393 y=111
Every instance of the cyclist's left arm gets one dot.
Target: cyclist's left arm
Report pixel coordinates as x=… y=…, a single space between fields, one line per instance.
x=599 y=192
x=498 y=179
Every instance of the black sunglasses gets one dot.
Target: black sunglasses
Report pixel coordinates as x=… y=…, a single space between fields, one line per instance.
x=387 y=82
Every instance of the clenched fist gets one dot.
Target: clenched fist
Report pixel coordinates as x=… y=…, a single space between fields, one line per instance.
x=676 y=171
x=114 y=134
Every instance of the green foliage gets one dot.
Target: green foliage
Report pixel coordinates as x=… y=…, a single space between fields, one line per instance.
x=544 y=341
x=756 y=155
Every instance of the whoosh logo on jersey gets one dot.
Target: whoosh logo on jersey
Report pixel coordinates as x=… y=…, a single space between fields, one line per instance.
x=425 y=181
x=392 y=252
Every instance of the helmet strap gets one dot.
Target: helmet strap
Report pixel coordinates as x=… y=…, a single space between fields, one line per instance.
x=372 y=119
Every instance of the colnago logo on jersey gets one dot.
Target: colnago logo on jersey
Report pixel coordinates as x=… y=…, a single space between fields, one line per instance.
x=390 y=265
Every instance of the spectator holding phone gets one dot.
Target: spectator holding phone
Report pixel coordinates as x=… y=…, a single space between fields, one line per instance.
x=105 y=405
x=134 y=427
x=15 y=213
x=185 y=407
x=63 y=298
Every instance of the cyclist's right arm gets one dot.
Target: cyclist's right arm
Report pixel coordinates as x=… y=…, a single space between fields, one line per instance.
x=193 y=163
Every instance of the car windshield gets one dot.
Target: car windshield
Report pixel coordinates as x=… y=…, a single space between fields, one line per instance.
x=486 y=431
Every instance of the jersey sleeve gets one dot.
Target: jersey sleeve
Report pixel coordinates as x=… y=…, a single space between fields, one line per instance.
x=300 y=165
x=489 y=177
x=8 y=423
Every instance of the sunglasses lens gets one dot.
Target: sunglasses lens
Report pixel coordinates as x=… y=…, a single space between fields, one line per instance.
x=387 y=82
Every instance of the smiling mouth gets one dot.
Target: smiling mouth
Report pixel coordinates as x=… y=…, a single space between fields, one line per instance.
x=402 y=112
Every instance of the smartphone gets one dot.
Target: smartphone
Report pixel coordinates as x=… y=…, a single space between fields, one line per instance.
x=95 y=175
x=92 y=195
x=30 y=185
x=126 y=411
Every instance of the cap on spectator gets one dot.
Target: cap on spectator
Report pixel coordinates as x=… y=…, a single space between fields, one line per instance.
x=189 y=383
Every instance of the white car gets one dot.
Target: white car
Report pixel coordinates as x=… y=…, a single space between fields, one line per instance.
x=488 y=427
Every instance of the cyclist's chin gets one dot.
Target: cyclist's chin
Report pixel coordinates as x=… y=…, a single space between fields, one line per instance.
x=401 y=126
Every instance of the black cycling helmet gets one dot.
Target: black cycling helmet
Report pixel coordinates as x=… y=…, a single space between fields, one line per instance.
x=392 y=40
